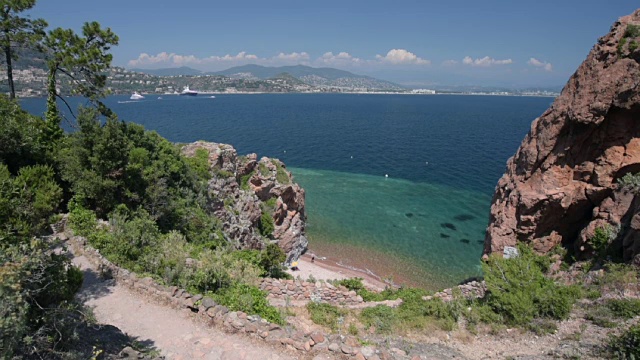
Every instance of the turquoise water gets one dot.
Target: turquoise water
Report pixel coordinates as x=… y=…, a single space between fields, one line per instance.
x=425 y=223
x=433 y=233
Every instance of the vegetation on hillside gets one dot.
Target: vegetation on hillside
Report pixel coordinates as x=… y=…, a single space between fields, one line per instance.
x=128 y=191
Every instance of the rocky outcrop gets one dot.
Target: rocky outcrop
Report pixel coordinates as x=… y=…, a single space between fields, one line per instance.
x=242 y=189
x=562 y=182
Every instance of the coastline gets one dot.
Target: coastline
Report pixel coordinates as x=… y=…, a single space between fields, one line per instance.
x=325 y=269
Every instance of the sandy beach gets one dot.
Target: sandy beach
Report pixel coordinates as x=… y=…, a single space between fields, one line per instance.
x=326 y=269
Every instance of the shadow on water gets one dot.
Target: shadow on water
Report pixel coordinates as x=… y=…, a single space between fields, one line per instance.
x=448 y=226
x=444 y=236
x=464 y=217
x=465 y=241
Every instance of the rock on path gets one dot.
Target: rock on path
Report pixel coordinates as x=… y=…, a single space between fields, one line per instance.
x=171 y=331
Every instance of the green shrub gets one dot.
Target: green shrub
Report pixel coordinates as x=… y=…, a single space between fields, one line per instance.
x=621 y=45
x=82 y=221
x=356 y=285
x=271 y=261
x=244 y=181
x=624 y=308
x=617 y=277
x=630 y=182
x=633 y=46
x=416 y=313
x=542 y=327
x=632 y=31
x=249 y=299
x=35 y=286
x=518 y=290
x=602 y=238
x=264 y=170
x=222 y=173
x=281 y=174
x=627 y=345
x=266 y=225
x=325 y=314
x=383 y=318
x=199 y=163
x=601 y=315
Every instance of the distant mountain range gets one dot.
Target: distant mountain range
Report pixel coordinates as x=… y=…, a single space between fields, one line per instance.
x=183 y=70
x=309 y=75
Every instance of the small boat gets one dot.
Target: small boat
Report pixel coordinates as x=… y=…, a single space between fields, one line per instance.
x=159 y=97
x=188 y=92
x=136 y=96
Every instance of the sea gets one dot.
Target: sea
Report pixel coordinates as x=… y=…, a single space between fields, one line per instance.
x=398 y=186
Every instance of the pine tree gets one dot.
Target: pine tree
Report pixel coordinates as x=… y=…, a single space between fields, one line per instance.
x=17 y=32
x=84 y=61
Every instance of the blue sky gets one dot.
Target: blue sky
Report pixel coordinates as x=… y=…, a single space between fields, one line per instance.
x=491 y=42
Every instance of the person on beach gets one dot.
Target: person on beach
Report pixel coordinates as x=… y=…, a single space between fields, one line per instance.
x=313 y=258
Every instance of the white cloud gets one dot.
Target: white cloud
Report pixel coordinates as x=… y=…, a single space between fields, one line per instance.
x=449 y=62
x=172 y=59
x=540 y=64
x=169 y=59
x=485 y=61
x=402 y=57
x=341 y=59
x=292 y=57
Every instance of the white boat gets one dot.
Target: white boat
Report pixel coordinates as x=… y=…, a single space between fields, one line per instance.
x=136 y=96
x=188 y=92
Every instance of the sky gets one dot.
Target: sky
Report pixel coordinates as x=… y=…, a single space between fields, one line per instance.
x=412 y=42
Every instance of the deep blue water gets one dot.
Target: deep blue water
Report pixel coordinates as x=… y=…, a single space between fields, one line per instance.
x=443 y=155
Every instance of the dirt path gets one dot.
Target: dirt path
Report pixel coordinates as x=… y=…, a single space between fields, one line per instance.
x=173 y=332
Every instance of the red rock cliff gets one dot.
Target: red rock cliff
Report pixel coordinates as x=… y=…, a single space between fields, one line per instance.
x=562 y=182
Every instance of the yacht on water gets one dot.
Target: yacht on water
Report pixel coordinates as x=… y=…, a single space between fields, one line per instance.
x=136 y=96
x=188 y=92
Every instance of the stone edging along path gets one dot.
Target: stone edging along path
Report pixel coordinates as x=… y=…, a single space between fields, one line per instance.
x=215 y=315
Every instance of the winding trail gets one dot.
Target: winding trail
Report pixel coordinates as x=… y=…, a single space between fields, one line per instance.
x=171 y=331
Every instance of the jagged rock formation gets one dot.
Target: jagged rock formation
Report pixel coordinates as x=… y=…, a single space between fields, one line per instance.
x=562 y=183
x=242 y=189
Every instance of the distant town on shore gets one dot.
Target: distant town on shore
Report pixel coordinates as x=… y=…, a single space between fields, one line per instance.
x=30 y=77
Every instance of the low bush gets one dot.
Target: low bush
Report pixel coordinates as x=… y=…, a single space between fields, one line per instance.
x=626 y=345
x=281 y=174
x=624 y=308
x=632 y=31
x=325 y=314
x=601 y=315
x=382 y=318
x=244 y=181
x=617 y=277
x=542 y=327
x=199 y=163
x=249 y=299
x=357 y=285
x=519 y=291
x=630 y=182
x=266 y=225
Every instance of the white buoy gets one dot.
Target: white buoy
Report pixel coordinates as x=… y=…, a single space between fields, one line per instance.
x=285 y=151
x=386 y=175
x=352 y=156
x=426 y=163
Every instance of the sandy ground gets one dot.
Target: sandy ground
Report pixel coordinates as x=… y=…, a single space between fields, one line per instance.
x=321 y=269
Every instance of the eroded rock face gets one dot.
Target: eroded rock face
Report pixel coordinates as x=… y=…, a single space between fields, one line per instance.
x=562 y=182
x=242 y=188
